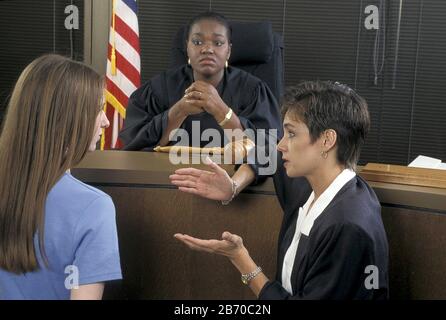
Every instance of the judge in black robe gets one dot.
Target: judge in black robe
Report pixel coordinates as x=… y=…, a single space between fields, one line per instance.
x=147 y=111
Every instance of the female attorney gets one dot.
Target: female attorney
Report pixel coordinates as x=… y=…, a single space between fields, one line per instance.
x=58 y=236
x=206 y=92
x=332 y=235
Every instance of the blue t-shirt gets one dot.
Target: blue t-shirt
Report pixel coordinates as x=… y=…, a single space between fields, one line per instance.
x=81 y=244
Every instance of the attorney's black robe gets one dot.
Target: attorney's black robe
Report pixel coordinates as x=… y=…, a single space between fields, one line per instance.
x=347 y=237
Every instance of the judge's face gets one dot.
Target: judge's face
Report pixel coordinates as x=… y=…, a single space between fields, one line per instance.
x=301 y=156
x=208 y=47
x=101 y=122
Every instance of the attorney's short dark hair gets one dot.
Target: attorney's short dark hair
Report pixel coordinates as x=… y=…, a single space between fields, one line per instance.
x=323 y=105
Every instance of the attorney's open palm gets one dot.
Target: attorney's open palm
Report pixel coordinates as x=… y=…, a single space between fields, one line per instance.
x=215 y=184
x=230 y=244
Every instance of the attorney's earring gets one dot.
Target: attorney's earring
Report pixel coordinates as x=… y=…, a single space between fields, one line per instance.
x=188 y=61
x=226 y=64
x=324 y=154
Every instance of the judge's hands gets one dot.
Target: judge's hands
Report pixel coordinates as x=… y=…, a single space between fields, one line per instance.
x=204 y=95
x=230 y=246
x=215 y=184
x=186 y=107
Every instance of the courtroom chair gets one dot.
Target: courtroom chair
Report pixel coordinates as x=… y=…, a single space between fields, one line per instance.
x=256 y=48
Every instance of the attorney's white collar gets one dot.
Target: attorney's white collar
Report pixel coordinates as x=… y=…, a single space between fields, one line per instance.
x=324 y=200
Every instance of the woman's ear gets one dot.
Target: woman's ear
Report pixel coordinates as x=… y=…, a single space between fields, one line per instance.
x=329 y=138
x=186 y=46
x=229 y=51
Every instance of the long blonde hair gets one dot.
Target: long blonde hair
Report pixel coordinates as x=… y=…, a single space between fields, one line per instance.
x=47 y=129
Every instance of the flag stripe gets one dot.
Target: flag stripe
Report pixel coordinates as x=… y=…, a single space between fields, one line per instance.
x=126 y=77
x=108 y=132
x=115 y=128
x=128 y=51
x=126 y=67
x=116 y=92
x=123 y=83
x=115 y=104
x=132 y=5
x=127 y=33
x=128 y=15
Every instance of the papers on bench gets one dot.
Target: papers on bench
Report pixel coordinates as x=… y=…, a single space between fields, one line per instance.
x=427 y=162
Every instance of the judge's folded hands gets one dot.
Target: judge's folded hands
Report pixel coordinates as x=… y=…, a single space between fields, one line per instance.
x=201 y=97
x=204 y=95
x=187 y=105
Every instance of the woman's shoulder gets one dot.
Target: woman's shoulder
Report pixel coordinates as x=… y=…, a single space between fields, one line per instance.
x=82 y=186
x=72 y=203
x=75 y=194
x=355 y=205
x=243 y=81
x=356 y=194
x=239 y=75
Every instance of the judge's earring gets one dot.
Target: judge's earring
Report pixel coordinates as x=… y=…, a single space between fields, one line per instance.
x=324 y=154
x=188 y=61
x=226 y=64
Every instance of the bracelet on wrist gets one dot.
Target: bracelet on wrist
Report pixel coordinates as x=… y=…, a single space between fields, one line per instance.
x=247 y=277
x=228 y=117
x=234 y=193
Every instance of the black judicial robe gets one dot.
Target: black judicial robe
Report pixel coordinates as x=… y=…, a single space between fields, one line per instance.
x=347 y=237
x=147 y=111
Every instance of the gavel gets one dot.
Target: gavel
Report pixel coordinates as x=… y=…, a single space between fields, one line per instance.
x=237 y=151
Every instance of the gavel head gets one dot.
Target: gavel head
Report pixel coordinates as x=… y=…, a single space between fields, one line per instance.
x=236 y=152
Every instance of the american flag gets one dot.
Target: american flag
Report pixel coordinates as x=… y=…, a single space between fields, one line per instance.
x=123 y=68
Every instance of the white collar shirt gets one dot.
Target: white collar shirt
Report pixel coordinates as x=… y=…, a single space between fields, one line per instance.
x=306 y=219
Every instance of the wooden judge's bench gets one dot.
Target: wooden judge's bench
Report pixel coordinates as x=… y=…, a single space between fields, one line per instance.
x=156 y=266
